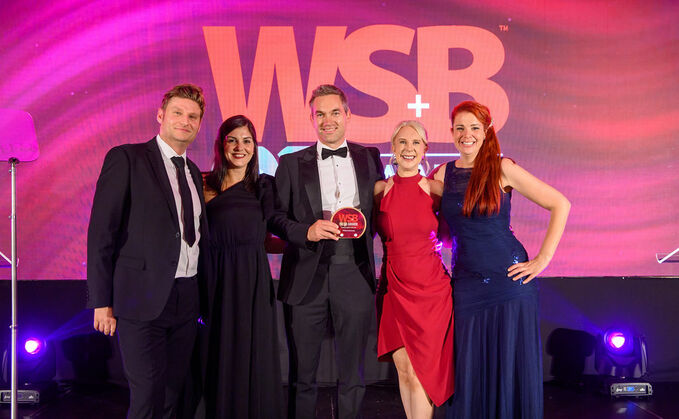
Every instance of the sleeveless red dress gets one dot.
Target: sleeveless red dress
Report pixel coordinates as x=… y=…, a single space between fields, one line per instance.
x=414 y=300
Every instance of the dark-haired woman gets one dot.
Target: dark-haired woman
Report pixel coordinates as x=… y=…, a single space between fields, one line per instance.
x=243 y=377
x=498 y=367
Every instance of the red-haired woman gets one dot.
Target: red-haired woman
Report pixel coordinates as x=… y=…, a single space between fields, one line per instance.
x=498 y=367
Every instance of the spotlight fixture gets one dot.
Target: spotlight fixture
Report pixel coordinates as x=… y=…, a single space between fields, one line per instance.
x=33 y=346
x=36 y=366
x=616 y=340
x=621 y=358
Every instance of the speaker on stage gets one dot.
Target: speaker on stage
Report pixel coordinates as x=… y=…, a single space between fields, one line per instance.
x=569 y=349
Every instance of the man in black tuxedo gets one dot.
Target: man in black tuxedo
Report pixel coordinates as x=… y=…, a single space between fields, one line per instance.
x=322 y=277
x=147 y=220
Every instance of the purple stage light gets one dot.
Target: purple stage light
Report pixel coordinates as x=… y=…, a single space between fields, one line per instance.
x=618 y=341
x=33 y=346
x=619 y=353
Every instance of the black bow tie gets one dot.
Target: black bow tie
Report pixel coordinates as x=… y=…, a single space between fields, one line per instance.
x=340 y=152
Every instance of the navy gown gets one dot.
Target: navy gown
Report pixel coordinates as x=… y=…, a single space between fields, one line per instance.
x=498 y=366
x=243 y=376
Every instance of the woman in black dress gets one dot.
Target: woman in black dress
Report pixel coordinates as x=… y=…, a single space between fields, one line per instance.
x=242 y=378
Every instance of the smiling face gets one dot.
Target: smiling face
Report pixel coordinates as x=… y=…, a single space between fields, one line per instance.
x=329 y=120
x=409 y=148
x=468 y=135
x=239 y=148
x=179 y=123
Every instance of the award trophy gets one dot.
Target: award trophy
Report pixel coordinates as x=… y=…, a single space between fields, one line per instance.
x=351 y=222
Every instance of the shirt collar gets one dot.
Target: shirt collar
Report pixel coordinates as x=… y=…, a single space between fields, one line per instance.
x=167 y=151
x=320 y=146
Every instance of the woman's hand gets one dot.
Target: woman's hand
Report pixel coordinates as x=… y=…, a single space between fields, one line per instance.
x=547 y=197
x=528 y=270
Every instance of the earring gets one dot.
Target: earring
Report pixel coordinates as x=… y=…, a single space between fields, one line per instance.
x=392 y=160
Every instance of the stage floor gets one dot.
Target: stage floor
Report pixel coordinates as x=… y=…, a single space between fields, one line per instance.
x=382 y=401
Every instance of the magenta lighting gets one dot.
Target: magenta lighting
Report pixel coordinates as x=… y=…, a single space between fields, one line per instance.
x=618 y=341
x=621 y=354
x=33 y=346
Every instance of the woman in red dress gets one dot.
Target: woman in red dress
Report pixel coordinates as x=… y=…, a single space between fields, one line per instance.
x=415 y=305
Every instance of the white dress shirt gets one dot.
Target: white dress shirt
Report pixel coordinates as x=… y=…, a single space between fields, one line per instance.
x=338 y=181
x=187 y=265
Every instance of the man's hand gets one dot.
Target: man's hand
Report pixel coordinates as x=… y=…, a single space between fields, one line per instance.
x=323 y=229
x=104 y=320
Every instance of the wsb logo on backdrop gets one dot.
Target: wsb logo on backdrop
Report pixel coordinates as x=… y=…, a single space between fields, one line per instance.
x=333 y=50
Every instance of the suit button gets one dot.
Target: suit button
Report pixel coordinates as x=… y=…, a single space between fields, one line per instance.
x=177 y=235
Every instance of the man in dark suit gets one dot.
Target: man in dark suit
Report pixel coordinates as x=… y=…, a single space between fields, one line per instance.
x=148 y=217
x=323 y=278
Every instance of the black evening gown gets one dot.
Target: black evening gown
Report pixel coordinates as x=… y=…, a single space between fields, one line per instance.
x=242 y=375
x=498 y=366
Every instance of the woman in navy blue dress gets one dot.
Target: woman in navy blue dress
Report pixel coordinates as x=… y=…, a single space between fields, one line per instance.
x=498 y=366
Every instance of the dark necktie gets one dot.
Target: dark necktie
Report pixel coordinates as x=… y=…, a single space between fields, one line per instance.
x=187 y=201
x=326 y=152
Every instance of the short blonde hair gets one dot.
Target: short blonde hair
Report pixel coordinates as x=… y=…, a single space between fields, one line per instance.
x=416 y=125
x=185 y=91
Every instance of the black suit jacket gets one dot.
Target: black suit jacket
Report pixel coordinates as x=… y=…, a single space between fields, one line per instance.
x=134 y=239
x=299 y=205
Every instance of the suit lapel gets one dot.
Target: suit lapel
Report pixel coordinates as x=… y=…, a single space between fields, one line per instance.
x=158 y=169
x=308 y=171
x=359 y=156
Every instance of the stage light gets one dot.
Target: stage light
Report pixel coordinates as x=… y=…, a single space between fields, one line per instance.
x=621 y=354
x=620 y=357
x=36 y=362
x=33 y=346
x=619 y=341
x=36 y=367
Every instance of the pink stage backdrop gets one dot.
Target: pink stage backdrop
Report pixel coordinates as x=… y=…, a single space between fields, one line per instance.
x=585 y=93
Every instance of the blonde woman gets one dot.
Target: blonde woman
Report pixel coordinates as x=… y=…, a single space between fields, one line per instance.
x=415 y=307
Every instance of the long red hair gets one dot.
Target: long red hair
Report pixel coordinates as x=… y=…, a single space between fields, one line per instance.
x=483 y=191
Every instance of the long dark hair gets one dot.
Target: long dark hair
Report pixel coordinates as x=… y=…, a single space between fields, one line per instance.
x=215 y=178
x=483 y=189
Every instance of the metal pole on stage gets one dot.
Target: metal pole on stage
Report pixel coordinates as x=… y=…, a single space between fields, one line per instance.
x=19 y=143
x=15 y=380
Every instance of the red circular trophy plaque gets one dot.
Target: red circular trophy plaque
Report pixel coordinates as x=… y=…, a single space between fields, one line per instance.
x=351 y=222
